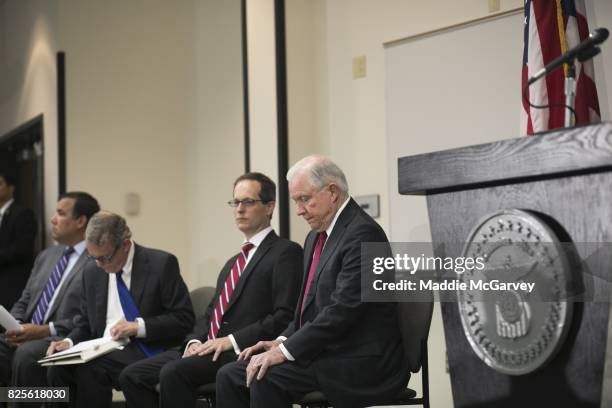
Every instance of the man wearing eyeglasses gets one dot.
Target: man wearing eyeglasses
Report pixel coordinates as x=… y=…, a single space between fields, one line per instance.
x=128 y=292
x=336 y=343
x=51 y=297
x=256 y=294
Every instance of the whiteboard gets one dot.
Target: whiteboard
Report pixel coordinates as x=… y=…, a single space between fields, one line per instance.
x=451 y=89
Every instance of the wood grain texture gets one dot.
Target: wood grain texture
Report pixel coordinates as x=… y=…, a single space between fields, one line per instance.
x=551 y=155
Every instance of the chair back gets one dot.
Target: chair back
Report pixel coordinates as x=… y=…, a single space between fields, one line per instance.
x=414 y=323
x=200 y=298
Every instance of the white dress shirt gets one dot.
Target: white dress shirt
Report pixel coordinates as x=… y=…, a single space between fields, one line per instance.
x=4 y=208
x=114 y=311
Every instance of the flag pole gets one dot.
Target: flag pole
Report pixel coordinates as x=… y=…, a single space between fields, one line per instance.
x=570 y=93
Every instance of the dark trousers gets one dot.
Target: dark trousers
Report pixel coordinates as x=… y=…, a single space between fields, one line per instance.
x=6 y=360
x=19 y=366
x=178 y=379
x=282 y=385
x=26 y=370
x=91 y=384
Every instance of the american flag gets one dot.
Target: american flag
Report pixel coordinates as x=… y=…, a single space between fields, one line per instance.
x=551 y=28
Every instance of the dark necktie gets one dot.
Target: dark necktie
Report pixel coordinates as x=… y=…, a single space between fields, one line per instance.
x=228 y=290
x=131 y=312
x=51 y=286
x=313 y=267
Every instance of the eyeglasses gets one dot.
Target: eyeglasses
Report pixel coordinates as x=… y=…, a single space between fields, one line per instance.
x=103 y=260
x=246 y=202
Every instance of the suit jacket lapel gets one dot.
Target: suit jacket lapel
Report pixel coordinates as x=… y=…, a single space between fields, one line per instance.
x=45 y=275
x=101 y=303
x=264 y=247
x=6 y=218
x=330 y=246
x=139 y=275
x=76 y=269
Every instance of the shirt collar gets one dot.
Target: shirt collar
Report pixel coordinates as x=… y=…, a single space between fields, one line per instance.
x=258 y=238
x=79 y=248
x=129 y=262
x=6 y=206
x=333 y=223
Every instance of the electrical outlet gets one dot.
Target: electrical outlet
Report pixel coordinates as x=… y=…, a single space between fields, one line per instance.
x=359 y=67
x=494 y=6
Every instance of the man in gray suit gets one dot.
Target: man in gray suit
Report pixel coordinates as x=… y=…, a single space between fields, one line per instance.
x=51 y=297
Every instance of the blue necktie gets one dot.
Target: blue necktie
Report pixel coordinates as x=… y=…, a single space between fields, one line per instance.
x=54 y=280
x=131 y=312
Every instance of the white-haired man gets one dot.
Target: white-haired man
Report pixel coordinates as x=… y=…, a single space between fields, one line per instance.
x=349 y=349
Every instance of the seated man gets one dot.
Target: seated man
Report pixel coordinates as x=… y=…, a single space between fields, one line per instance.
x=348 y=349
x=52 y=295
x=260 y=303
x=130 y=291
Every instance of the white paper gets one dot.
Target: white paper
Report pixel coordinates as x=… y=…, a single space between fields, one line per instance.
x=87 y=345
x=7 y=320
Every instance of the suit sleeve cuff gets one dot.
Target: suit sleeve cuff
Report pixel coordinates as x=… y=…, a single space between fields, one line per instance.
x=142 y=330
x=52 y=330
x=189 y=344
x=286 y=352
x=234 y=344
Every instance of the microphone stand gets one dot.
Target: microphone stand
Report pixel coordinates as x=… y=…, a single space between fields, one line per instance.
x=570 y=93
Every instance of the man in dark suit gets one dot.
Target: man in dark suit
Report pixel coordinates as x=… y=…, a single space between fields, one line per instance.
x=259 y=308
x=349 y=349
x=51 y=297
x=130 y=291
x=17 y=233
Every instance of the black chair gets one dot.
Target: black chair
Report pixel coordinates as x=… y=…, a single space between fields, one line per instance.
x=200 y=298
x=414 y=323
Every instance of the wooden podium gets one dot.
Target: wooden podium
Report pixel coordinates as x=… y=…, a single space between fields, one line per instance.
x=565 y=177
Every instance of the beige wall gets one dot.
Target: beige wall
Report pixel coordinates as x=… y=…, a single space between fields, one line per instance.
x=28 y=77
x=263 y=127
x=130 y=72
x=215 y=149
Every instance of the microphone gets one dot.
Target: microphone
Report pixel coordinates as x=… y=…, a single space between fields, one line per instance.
x=583 y=51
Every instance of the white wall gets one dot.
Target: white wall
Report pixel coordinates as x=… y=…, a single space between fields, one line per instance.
x=305 y=61
x=154 y=106
x=28 y=77
x=130 y=70
x=215 y=149
x=263 y=129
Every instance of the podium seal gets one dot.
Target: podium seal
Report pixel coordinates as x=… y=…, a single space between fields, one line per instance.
x=513 y=330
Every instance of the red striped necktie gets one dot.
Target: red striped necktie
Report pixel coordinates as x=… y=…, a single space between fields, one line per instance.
x=313 y=267
x=228 y=289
